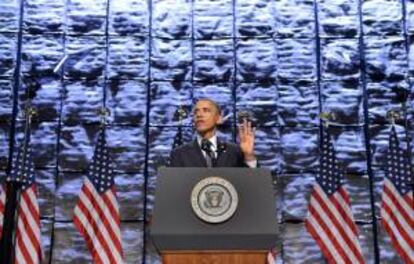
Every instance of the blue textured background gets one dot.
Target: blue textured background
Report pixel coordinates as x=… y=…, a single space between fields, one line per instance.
x=286 y=60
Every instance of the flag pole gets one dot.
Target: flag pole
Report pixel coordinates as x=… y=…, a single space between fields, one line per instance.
x=103 y=113
x=9 y=222
x=12 y=201
x=181 y=115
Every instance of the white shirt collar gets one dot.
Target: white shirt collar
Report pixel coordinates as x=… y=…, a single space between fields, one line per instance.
x=213 y=141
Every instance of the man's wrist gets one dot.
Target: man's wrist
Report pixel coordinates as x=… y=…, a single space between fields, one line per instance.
x=251 y=163
x=250 y=157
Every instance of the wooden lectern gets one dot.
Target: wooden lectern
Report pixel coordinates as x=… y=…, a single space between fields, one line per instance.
x=216 y=257
x=182 y=237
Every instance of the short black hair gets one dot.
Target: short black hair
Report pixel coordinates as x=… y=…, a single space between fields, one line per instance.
x=214 y=103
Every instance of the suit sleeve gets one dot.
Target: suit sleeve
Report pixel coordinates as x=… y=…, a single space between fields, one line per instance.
x=242 y=161
x=240 y=158
x=175 y=160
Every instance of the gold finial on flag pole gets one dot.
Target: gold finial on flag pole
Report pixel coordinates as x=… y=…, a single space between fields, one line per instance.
x=393 y=115
x=327 y=118
x=182 y=114
x=29 y=111
x=103 y=113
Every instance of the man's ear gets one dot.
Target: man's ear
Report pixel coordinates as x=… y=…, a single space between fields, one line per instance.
x=219 y=120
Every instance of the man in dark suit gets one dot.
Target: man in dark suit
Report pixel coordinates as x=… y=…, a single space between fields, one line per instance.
x=209 y=151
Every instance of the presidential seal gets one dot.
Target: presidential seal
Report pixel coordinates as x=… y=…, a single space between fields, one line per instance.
x=214 y=199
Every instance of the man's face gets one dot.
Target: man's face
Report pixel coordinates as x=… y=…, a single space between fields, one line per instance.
x=206 y=117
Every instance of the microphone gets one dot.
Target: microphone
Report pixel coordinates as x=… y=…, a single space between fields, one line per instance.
x=241 y=116
x=246 y=115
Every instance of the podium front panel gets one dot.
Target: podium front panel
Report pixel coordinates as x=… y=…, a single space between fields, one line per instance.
x=252 y=227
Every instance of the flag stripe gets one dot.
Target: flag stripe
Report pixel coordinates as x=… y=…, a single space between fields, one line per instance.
x=109 y=198
x=331 y=229
x=28 y=242
x=404 y=233
x=95 y=223
x=93 y=235
x=30 y=220
x=335 y=229
x=112 y=205
x=104 y=205
x=401 y=221
x=30 y=195
x=343 y=219
x=338 y=226
x=22 y=250
x=25 y=242
x=324 y=241
x=343 y=204
x=399 y=203
x=400 y=244
x=409 y=199
x=106 y=217
x=93 y=243
x=329 y=232
x=19 y=257
x=94 y=220
x=334 y=208
x=28 y=235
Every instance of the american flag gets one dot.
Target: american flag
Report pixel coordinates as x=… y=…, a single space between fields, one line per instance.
x=28 y=241
x=330 y=221
x=397 y=209
x=96 y=214
x=2 y=206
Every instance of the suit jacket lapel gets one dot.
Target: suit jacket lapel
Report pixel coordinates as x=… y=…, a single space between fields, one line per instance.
x=198 y=155
x=222 y=157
